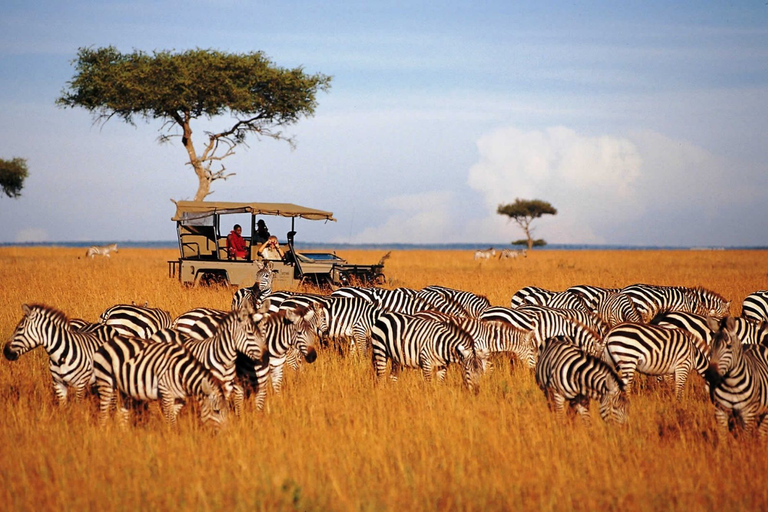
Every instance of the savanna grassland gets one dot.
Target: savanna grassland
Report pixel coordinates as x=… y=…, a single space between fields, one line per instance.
x=335 y=441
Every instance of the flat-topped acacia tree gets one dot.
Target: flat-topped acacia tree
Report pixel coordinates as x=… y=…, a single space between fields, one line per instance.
x=523 y=212
x=180 y=88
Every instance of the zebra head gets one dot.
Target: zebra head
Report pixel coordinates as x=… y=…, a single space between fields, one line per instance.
x=305 y=336
x=213 y=405
x=725 y=350
x=34 y=329
x=614 y=404
x=248 y=333
x=709 y=303
x=473 y=371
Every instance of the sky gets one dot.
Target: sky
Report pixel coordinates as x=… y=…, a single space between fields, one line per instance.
x=643 y=123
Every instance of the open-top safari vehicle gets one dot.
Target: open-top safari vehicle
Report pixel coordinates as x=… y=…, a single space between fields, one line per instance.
x=202 y=228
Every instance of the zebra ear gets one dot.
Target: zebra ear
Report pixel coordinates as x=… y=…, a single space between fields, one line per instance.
x=26 y=309
x=730 y=326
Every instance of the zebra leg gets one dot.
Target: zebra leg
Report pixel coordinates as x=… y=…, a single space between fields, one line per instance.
x=106 y=401
x=581 y=405
x=681 y=376
x=261 y=391
x=627 y=373
x=762 y=429
x=169 y=407
x=59 y=389
x=237 y=396
x=276 y=376
x=394 y=372
x=441 y=371
x=426 y=369
x=379 y=361
x=722 y=417
x=558 y=403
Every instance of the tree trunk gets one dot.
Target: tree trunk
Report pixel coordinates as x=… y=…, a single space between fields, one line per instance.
x=203 y=176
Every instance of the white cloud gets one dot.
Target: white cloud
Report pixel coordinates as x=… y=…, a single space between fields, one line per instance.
x=607 y=189
x=415 y=218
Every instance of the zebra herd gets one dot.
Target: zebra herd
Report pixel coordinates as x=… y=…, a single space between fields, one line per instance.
x=584 y=343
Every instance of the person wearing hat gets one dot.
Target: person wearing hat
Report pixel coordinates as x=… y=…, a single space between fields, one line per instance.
x=262 y=233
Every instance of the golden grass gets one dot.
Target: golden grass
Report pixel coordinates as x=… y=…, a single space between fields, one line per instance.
x=336 y=441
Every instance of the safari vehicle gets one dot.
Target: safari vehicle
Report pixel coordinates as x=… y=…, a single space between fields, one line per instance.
x=202 y=228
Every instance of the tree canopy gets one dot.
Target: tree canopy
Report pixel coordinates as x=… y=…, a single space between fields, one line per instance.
x=12 y=175
x=525 y=211
x=179 y=88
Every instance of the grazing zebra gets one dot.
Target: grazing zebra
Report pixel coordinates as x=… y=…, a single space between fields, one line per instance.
x=134 y=320
x=142 y=370
x=651 y=300
x=282 y=330
x=318 y=302
x=350 y=321
x=564 y=372
x=616 y=308
x=409 y=341
x=261 y=287
x=238 y=333
x=467 y=302
x=70 y=351
x=507 y=254
x=591 y=295
x=485 y=254
x=653 y=350
x=101 y=250
x=738 y=379
x=755 y=306
x=551 y=322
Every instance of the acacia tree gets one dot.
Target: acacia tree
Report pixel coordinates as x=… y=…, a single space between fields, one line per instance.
x=12 y=175
x=523 y=212
x=180 y=88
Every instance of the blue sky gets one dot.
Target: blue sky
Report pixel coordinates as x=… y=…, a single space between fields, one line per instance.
x=644 y=123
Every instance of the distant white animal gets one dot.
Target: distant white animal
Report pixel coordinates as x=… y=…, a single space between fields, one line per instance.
x=512 y=253
x=102 y=250
x=486 y=254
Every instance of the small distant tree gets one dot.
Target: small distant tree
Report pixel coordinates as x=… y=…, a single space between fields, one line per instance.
x=12 y=175
x=180 y=88
x=525 y=211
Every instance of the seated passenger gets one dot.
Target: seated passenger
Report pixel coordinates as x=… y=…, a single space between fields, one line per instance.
x=236 y=247
x=270 y=250
x=262 y=232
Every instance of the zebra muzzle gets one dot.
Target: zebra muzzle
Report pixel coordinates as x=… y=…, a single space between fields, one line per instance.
x=9 y=353
x=311 y=355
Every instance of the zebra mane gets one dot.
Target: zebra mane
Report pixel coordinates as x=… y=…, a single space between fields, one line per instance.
x=55 y=315
x=704 y=292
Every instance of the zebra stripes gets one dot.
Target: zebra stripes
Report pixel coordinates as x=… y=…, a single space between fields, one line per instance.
x=238 y=333
x=133 y=320
x=101 y=250
x=350 y=321
x=255 y=293
x=653 y=350
x=650 y=300
x=738 y=378
x=413 y=342
x=454 y=302
x=755 y=306
x=616 y=308
x=70 y=351
x=282 y=330
x=533 y=295
x=142 y=370
x=565 y=373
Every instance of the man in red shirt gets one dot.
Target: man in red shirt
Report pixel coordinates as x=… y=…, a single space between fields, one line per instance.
x=236 y=247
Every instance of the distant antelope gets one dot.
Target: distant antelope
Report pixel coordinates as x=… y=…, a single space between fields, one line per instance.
x=102 y=250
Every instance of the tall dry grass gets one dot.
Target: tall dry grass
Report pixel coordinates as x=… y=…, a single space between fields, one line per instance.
x=336 y=441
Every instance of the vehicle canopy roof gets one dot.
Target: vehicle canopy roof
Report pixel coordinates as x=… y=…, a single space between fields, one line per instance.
x=187 y=210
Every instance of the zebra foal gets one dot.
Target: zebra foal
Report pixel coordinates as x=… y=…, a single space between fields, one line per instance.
x=565 y=373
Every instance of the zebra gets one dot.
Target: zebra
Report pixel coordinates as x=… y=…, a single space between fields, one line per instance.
x=70 y=351
x=616 y=308
x=101 y=250
x=142 y=370
x=755 y=306
x=591 y=295
x=551 y=322
x=238 y=333
x=653 y=350
x=413 y=342
x=540 y=297
x=738 y=379
x=651 y=300
x=506 y=254
x=134 y=320
x=750 y=333
x=350 y=321
x=486 y=254
x=261 y=287
x=282 y=330
x=401 y=300
x=472 y=305
x=564 y=372
x=199 y=323
x=585 y=318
